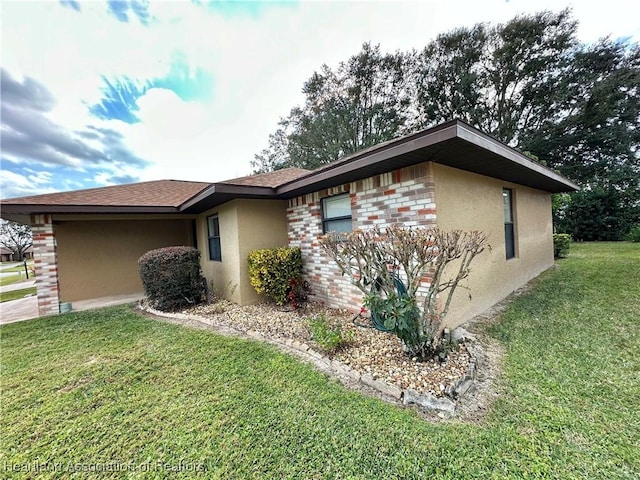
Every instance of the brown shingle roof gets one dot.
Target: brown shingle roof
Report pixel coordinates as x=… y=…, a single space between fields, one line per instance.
x=159 y=193
x=453 y=143
x=269 y=179
x=159 y=196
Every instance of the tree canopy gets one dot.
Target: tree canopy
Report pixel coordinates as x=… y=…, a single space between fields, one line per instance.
x=528 y=82
x=16 y=237
x=364 y=101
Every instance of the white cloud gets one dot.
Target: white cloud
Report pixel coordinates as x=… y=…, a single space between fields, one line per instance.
x=258 y=64
x=178 y=135
x=14 y=185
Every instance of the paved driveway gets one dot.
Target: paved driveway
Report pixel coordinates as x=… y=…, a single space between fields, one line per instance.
x=21 y=309
x=26 y=308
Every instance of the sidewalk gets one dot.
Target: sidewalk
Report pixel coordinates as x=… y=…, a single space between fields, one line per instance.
x=27 y=308
x=18 y=286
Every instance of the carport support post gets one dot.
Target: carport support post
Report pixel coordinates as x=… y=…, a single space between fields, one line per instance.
x=46 y=265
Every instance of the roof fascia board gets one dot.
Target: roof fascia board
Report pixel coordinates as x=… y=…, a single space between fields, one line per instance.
x=471 y=135
x=222 y=188
x=386 y=152
x=73 y=217
x=246 y=190
x=35 y=209
x=207 y=192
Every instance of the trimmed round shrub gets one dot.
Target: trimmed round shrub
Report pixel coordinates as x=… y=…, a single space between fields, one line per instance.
x=172 y=278
x=561 y=244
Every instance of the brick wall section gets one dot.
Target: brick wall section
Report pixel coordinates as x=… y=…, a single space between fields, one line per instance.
x=46 y=265
x=405 y=196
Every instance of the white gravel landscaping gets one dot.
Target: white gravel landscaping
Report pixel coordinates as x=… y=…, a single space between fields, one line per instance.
x=371 y=352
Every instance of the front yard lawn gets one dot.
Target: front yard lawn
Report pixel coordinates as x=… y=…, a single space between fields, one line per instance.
x=16 y=294
x=17 y=270
x=111 y=390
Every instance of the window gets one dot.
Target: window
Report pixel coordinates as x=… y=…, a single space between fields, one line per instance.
x=509 y=230
x=213 y=230
x=336 y=214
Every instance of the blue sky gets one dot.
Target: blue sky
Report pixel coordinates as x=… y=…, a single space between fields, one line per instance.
x=98 y=93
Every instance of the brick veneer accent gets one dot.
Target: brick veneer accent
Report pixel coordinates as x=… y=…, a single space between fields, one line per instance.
x=405 y=196
x=46 y=264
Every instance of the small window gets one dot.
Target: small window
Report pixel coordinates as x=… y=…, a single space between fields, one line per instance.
x=336 y=214
x=213 y=230
x=509 y=229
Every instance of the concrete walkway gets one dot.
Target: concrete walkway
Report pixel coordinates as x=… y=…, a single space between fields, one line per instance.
x=17 y=286
x=27 y=308
x=20 y=309
x=106 y=301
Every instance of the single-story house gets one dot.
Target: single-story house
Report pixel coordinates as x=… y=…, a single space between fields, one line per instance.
x=87 y=242
x=7 y=255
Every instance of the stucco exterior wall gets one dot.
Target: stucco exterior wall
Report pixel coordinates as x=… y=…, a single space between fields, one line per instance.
x=245 y=225
x=223 y=276
x=261 y=224
x=469 y=201
x=98 y=258
x=404 y=196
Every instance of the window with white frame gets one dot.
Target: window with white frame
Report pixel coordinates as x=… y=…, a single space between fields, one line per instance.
x=336 y=214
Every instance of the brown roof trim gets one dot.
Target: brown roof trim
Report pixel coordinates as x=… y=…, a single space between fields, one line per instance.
x=481 y=139
x=454 y=143
x=34 y=209
x=374 y=155
x=221 y=192
x=432 y=145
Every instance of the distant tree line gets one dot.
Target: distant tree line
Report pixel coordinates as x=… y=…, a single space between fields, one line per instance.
x=529 y=83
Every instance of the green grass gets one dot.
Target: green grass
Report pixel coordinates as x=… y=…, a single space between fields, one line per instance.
x=11 y=279
x=16 y=294
x=19 y=267
x=18 y=270
x=113 y=389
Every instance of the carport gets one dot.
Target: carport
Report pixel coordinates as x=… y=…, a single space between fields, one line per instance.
x=87 y=244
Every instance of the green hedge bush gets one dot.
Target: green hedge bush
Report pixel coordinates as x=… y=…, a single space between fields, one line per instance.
x=172 y=278
x=561 y=244
x=272 y=271
x=634 y=234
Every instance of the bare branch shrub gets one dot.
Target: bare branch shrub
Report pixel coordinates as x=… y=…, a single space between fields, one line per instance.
x=390 y=265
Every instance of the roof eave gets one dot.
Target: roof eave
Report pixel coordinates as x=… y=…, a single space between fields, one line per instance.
x=219 y=193
x=389 y=150
x=427 y=141
x=474 y=136
x=35 y=209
